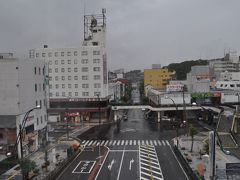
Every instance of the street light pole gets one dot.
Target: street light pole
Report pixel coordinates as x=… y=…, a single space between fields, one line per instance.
x=176 y=117
x=99 y=112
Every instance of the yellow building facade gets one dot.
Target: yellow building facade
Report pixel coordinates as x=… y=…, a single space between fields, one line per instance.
x=158 y=78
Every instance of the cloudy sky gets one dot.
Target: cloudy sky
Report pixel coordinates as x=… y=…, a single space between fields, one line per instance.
x=139 y=32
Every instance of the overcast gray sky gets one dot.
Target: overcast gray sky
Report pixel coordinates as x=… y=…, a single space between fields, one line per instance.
x=139 y=32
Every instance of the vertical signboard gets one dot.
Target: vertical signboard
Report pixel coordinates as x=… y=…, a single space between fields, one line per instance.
x=104 y=68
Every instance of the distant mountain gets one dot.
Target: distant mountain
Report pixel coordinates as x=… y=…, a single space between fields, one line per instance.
x=185 y=67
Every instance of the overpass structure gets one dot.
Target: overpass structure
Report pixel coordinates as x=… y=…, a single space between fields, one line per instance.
x=163 y=109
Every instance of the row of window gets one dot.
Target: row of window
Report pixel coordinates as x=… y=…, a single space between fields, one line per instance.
x=84 y=69
x=39 y=87
x=40 y=103
x=95 y=77
x=69 y=61
x=39 y=71
x=75 y=94
x=96 y=85
x=41 y=118
x=62 y=54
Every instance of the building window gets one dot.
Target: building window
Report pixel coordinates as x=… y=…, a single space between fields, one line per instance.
x=56 y=78
x=96 y=52
x=85 y=85
x=95 y=43
x=84 y=53
x=70 y=94
x=75 y=69
x=97 y=85
x=84 y=69
x=69 y=61
x=40 y=103
x=75 y=77
x=49 y=54
x=69 y=85
x=35 y=87
x=43 y=70
x=62 y=53
x=76 y=93
x=84 y=77
x=56 y=86
x=75 y=53
x=39 y=87
x=76 y=85
x=45 y=118
x=97 y=94
x=96 y=60
x=50 y=86
x=43 y=54
x=69 y=69
x=56 y=70
x=35 y=70
x=56 y=54
x=56 y=62
x=85 y=93
x=75 y=61
x=63 y=94
x=68 y=53
x=43 y=87
x=69 y=77
x=50 y=62
x=84 y=61
x=96 y=69
x=37 y=121
x=62 y=61
x=50 y=94
x=50 y=78
x=96 y=77
x=37 y=54
x=57 y=93
x=62 y=70
x=63 y=78
x=39 y=71
x=63 y=86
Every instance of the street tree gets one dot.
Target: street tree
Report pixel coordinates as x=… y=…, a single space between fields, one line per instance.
x=192 y=133
x=26 y=166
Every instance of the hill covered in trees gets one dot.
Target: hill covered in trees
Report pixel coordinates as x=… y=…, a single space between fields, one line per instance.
x=185 y=67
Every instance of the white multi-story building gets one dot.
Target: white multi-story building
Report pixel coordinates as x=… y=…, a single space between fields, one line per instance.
x=22 y=87
x=78 y=74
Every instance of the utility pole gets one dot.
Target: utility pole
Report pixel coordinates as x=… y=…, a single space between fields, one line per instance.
x=20 y=138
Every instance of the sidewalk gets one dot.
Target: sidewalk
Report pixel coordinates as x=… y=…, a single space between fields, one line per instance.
x=56 y=153
x=200 y=163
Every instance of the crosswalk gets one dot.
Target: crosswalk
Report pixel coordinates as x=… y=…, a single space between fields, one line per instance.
x=149 y=164
x=125 y=142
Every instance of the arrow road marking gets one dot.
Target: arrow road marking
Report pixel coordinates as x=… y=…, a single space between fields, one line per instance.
x=130 y=164
x=111 y=164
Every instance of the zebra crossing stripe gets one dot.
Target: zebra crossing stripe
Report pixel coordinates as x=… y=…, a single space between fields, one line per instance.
x=159 y=142
x=98 y=143
x=155 y=142
x=86 y=143
x=147 y=150
x=114 y=142
x=94 y=142
x=151 y=142
x=144 y=156
x=89 y=144
x=147 y=142
x=110 y=143
x=134 y=142
x=130 y=142
x=155 y=177
x=167 y=143
x=139 y=142
x=122 y=142
x=83 y=141
x=102 y=143
x=127 y=142
x=106 y=143
x=142 y=142
x=152 y=170
x=147 y=162
x=163 y=143
x=144 y=153
x=118 y=142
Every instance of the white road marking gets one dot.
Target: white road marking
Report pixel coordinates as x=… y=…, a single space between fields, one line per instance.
x=147 y=142
x=130 y=164
x=155 y=177
x=106 y=143
x=147 y=162
x=151 y=142
x=98 y=143
x=114 y=142
x=126 y=143
x=94 y=142
x=155 y=142
x=83 y=141
x=159 y=142
x=102 y=143
x=153 y=155
x=130 y=142
x=139 y=142
x=120 y=165
x=142 y=142
x=122 y=142
x=163 y=143
x=110 y=143
x=134 y=142
x=167 y=143
x=152 y=170
x=89 y=144
x=118 y=142
x=86 y=143
x=144 y=156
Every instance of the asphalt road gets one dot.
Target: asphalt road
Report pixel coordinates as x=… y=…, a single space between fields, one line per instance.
x=135 y=150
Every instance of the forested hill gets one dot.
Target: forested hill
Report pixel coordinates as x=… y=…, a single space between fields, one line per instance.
x=185 y=67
